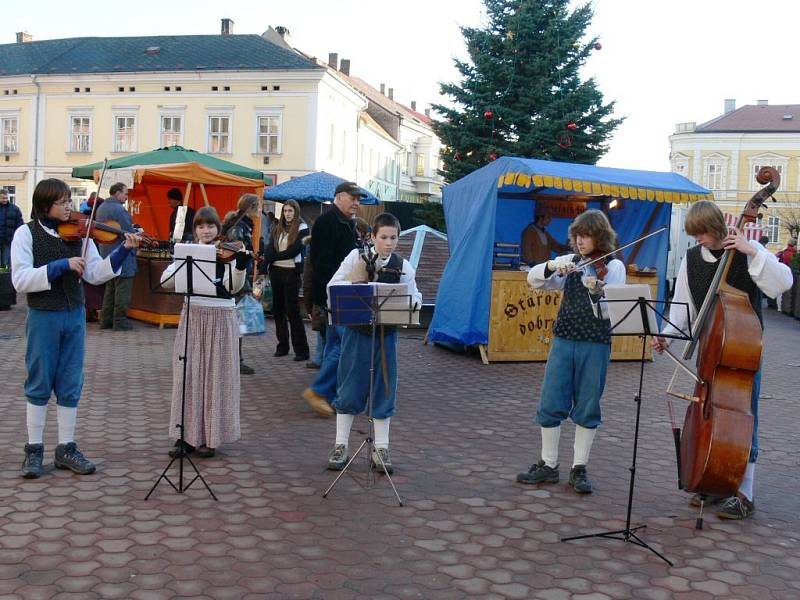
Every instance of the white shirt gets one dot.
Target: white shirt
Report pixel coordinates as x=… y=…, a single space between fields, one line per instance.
x=768 y=273
x=28 y=279
x=353 y=260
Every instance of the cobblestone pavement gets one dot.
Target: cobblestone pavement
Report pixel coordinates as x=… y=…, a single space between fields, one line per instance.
x=467 y=530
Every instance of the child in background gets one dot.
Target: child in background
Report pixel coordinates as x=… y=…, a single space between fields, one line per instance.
x=353 y=374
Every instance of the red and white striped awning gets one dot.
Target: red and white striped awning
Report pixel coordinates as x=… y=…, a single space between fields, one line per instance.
x=752 y=231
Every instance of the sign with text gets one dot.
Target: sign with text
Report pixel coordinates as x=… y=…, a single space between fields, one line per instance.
x=560 y=209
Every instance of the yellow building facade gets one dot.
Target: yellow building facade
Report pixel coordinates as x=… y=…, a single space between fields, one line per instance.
x=724 y=155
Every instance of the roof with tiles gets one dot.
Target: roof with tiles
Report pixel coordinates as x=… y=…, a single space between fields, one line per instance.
x=148 y=54
x=374 y=95
x=755 y=118
x=432 y=260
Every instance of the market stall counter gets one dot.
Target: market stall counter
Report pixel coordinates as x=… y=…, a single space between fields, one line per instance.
x=146 y=304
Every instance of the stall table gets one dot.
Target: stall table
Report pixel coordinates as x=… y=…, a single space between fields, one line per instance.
x=152 y=307
x=521 y=320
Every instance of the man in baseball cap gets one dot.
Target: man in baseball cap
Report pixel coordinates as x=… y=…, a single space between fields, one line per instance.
x=351 y=188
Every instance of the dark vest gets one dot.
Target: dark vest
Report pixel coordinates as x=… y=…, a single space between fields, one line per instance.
x=699 y=273
x=576 y=318
x=66 y=292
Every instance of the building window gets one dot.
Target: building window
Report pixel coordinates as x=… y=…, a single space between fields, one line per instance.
x=330 y=143
x=420 y=165
x=404 y=163
x=269 y=134
x=10 y=135
x=80 y=134
x=11 y=190
x=79 y=194
x=680 y=165
x=125 y=133
x=713 y=177
x=773 y=229
x=171 y=130
x=219 y=134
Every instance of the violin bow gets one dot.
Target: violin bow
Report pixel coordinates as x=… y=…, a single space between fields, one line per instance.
x=94 y=208
x=586 y=263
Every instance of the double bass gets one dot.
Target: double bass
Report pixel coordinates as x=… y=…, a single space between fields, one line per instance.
x=718 y=426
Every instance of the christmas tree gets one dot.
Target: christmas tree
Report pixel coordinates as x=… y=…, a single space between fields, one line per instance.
x=521 y=93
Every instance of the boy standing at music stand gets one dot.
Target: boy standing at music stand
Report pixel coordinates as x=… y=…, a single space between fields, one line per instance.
x=755 y=270
x=357 y=349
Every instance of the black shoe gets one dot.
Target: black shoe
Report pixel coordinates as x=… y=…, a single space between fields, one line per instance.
x=312 y=365
x=245 y=370
x=126 y=326
x=32 y=465
x=280 y=352
x=539 y=473
x=300 y=357
x=187 y=449
x=106 y=325
x=579 y=481
x=205 y=452
x=69 y=457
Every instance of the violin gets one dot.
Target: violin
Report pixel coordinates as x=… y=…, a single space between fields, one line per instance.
x=76 y=228
x=596 y=259
x=227 y=251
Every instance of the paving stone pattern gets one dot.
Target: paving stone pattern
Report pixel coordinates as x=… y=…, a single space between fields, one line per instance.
x=467 y=530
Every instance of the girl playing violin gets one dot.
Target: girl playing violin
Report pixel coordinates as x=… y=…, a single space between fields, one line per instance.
x=754 y=270
x=576 y=367
x=212 y=380
x=50 y=271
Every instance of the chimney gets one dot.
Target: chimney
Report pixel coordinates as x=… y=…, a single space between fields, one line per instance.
x=227 y=26
x=414 y=105
x=391 y=93
x=427 y=112
x=383 y=89
x=345 y=66
x=730 y=105
x=762 y=102
x=23 y=37
x=285 y=34
x=333 y=61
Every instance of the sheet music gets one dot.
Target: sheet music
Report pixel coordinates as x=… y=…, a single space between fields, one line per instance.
x=203 y=273
x=625 y=315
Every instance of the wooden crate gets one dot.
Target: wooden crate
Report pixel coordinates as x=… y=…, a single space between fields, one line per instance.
x=521 y=321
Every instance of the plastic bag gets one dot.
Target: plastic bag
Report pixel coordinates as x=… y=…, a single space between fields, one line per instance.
x=250 y=315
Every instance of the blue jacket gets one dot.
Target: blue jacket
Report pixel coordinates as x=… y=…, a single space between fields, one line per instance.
x=112 y=210
x=10 y=219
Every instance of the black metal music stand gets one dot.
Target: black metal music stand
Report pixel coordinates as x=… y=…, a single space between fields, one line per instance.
x=181 y=454
x=628 y=533
x=339 y=315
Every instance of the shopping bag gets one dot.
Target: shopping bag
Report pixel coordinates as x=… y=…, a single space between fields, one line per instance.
x=250 y=315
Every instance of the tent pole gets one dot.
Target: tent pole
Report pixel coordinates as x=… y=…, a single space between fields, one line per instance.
x=203 y=191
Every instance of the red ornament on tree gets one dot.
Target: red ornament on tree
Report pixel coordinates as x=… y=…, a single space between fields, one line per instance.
x=572 y=126
x=457 y=156
x=598 y=46
x=493 y=156
x=488 y=114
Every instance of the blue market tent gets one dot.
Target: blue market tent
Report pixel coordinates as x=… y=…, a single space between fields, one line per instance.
x=314 y=187
x=495 y=203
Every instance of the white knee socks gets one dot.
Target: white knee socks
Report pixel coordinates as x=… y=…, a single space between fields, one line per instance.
x=746 y=488
x=550 y=436
x=36 y=417
x=583 y=445
x=381 y=433
x=343 y=425
x=66 y=424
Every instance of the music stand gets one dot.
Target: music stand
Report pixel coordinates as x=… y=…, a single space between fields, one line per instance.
x=634 y=316
x=188 y=268
x=350 y=309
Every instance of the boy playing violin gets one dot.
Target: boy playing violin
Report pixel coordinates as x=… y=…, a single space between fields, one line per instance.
x=754 y=270
x=50 y=270
x=576 y=367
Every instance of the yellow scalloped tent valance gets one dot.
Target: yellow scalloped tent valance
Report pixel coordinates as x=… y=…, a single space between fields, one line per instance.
x=579 y=186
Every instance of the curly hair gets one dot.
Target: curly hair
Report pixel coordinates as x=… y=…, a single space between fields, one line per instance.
x=595 y=224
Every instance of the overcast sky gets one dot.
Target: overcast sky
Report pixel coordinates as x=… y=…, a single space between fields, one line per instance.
x=664 y=62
